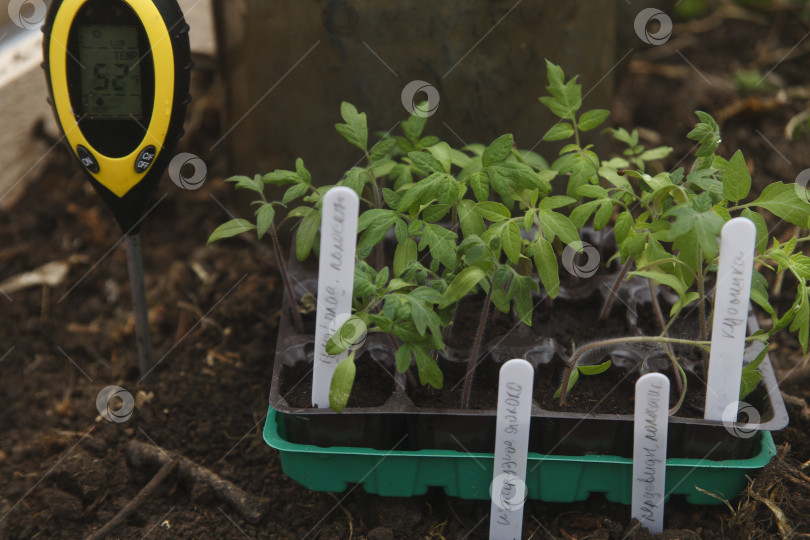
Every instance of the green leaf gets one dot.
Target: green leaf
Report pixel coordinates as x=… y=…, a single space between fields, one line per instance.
x=374 y=224
x=420 y=193
x=342 y=381
x=498 y=150
x=800 y=264
x=801 y=322
x=782 y=200
x=245 y=182
x=624 y=136
x=612 y=176
x=592 y=119
x=350 y=332
x=595 y=370
x=759 y=293
x=751 y=375
x=355 y=130
x=459 y=159
x=381 y=149
x=229 y=229
x=442 y=244
x=706 y=133
x=435 y=212
x=705 y=180
x=302 y=171
x=566 y=99
x=558 y=132
x=480 y=186
x=556 y=77
x=656 y=153
x=279 y=177
x=431 y=296
x=737 y=178
x=404 y=254
x=403 y=358
x=355 y=179
x=415 y=124
x=594 y=192
x=623 y=225
x=545 y=261
x=603 y=215
x=464 y=282
x=423 y=316
x=520 y=289
x=447 y=192
x=429 y=372
x=682 y=303
x=300 y=212
x=293 y=192
x=701 y=226
x=493 y=211
x=749 y=381
x=264 y=218
x=470 y=220
x=391 y=198
x=305 y=236
x=582 y=166
x=581 y=214
x=523 y=175
x=556 y=201
x=425 y=162
x=443 y=154
x=512 y=242
x=670 y=280
x=556 y=224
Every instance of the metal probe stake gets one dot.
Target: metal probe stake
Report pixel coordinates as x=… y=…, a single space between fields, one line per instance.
x=135 y=267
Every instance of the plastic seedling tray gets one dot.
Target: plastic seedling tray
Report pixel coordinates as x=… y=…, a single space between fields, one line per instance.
x=563 y=479
x=558 y=433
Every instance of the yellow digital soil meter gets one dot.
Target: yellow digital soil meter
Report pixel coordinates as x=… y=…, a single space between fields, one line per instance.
x=118 y=75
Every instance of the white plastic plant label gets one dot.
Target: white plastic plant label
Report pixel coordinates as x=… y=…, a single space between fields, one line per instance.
x=730 y=316
x=650 y=450
x=508 y=490
x=335 y=282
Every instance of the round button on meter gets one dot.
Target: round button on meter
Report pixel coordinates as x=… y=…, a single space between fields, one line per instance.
x=87 y=159
x=144 y=159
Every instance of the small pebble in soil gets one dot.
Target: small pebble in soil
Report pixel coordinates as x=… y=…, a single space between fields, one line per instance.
x=381 y=533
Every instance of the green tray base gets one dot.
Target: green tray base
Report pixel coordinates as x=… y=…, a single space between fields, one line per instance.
x=468 y=475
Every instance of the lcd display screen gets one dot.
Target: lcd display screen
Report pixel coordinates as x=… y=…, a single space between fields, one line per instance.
x=111 y=75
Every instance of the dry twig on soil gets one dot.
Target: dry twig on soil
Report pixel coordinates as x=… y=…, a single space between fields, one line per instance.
x=250 y=507
x=132 y=505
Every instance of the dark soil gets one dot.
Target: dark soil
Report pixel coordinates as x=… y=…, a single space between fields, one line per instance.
x=484 y=393
x=214 y=316
x=373 y=384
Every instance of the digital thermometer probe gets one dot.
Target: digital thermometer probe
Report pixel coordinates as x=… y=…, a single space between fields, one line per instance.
x=118 y=76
